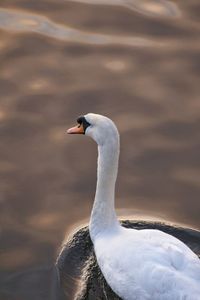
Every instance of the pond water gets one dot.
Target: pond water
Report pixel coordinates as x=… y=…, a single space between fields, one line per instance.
x=135 y=61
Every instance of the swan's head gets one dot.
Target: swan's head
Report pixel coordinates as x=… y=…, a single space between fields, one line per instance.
x=98 y=127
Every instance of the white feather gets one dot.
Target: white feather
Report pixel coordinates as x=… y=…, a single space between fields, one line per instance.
x=137 y=264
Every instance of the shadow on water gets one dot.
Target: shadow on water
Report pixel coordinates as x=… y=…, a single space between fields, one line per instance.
x=134 y=61
x=39 y=283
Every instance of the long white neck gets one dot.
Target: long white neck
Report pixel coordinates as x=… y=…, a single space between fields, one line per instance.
x=103 y=215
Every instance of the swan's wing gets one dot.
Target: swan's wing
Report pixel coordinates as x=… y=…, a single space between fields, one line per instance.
x=165 y=250
x=149 y=264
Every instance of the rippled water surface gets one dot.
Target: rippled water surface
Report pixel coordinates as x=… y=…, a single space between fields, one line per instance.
x=137 y=62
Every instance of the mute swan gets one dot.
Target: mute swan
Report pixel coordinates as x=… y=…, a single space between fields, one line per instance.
x=137 y=264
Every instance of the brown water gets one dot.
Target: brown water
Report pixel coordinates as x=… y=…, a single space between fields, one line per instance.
x=137 y=62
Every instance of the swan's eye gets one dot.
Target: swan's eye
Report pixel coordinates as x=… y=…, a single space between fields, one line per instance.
x=80 y=120
x=83 y=122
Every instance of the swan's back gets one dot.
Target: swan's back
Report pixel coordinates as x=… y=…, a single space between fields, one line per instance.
x=148 y=264
x=80 y=250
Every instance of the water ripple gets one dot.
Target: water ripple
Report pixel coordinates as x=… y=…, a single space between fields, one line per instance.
x=159 y=8
x=26 y=22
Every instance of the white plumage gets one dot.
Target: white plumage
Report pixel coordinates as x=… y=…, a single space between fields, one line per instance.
x=137 y=264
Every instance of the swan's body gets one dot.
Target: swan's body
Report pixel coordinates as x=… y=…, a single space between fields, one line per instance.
x=138 y=265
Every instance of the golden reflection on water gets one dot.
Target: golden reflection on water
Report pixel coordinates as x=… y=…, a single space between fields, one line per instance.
x=138 y=66
x=155 y=8
x=24 y=22
x=44 y=221
x=40 y=84
x=160 y=8
x=189 y=176
x=116 y=65
x=2 y=115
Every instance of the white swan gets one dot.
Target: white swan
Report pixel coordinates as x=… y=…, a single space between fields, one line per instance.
x=137 y=264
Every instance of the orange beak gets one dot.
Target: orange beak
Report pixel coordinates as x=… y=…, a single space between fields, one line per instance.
x=76 y=130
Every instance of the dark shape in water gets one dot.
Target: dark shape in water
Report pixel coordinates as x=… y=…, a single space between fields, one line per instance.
x=77 y=259
x=40 y=283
